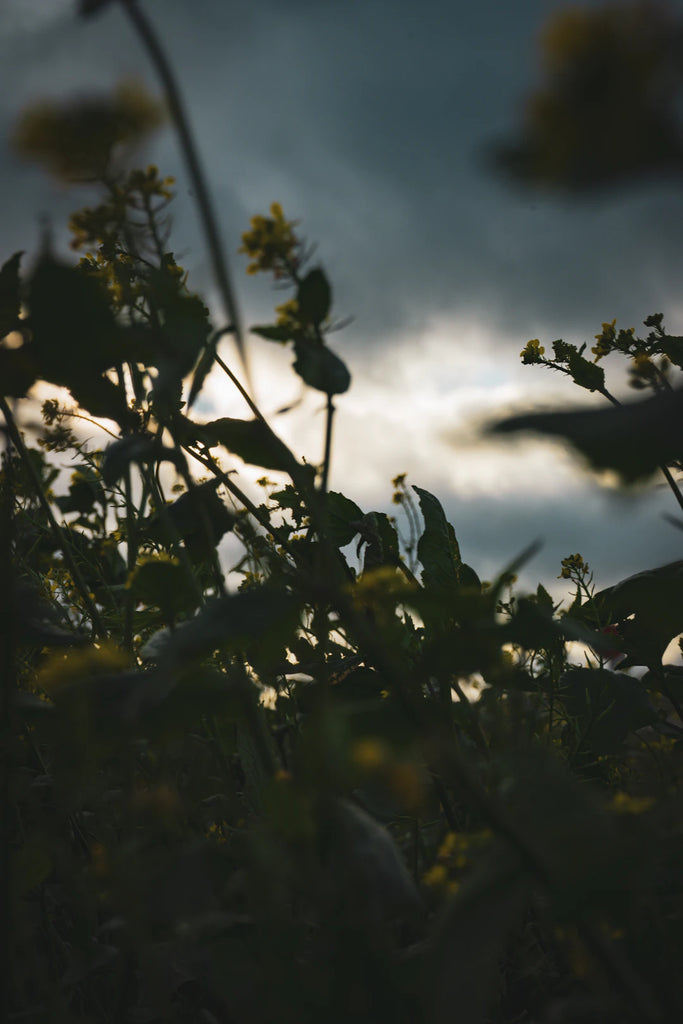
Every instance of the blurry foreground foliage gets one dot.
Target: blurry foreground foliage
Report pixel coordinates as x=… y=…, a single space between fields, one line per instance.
x=360 y=784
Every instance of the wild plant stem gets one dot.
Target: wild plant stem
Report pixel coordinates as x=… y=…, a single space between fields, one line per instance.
x=7 y=690
x=131 y=560
x=195 y=170
x=59 y=531
x=329 y=423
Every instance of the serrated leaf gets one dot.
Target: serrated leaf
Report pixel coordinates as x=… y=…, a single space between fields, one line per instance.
x=320 y=368
x=544 y=600
x=380 y=539
x=252 y=440
x=586 y=374
x=437 y=548
x=314 y=298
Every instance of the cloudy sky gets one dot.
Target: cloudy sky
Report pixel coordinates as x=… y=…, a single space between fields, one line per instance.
x=370 y=120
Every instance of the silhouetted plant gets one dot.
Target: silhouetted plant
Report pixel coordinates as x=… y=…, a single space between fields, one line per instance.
x=320 y=784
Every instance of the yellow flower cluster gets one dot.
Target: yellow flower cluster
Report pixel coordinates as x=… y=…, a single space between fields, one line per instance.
x=605 y=340
x=455 y=857
x=101 y=225
x=532 y=352
x=288 y=314
x=573 y=565
x=623 y=803
x=272 y=244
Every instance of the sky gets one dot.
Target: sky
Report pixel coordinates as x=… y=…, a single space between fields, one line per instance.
x=371 y=121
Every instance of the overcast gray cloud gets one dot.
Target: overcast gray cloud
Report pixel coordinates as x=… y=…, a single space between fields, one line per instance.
x=370 y=121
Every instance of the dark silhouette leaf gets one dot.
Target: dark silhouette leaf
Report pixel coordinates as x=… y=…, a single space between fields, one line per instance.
x=274 y=332
x=10 y=294
x=139 y=448
x=314 y=298
x=633 y=439
x=343 y=518
x=252 y=440
x=437 y=548
x=607 y=706
x=320 y=368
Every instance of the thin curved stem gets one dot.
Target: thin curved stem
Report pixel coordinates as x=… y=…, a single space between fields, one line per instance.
x=190 y=152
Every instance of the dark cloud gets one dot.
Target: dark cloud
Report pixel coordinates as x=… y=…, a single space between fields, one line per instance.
x=371 y=122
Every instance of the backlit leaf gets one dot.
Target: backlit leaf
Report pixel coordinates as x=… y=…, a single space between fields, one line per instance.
x=314 y=297
x=252 y=440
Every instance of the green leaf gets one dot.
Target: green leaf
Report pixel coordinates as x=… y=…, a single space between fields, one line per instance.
x=252 y=440
x=184 y=317
x=314 y=298
x=164 y=584
x=18 y=371
x=10 y=294
x=437 y=548
x=633 y=439
x=139 y=448
x=320 y=368
x=607 y=706
x=343 y=517
x=100 y=397
x=647 y=609
x=84 y=491
x=199 y=516
x=381 y=540
x=672 y=349
x=72 y=324
x=544 y=600
x=586 y=374
x=274 y=332
x=265 y=616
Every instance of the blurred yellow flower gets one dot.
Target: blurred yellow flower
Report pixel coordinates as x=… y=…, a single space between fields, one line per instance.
x=75 y=140
x=272 y=244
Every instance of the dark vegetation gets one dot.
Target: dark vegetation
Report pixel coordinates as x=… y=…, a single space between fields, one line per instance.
x=327 y=788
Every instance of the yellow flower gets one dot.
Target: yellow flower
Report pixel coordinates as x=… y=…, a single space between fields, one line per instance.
x=75 y=140
x=532 y=352
x=369 y=754
x=287 y=313
x=272 y=244
x=436 y=877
